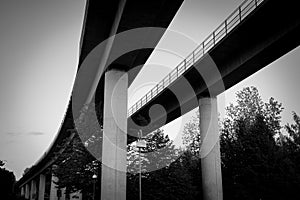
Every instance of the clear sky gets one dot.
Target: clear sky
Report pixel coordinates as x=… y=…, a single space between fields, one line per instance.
x=39 y=42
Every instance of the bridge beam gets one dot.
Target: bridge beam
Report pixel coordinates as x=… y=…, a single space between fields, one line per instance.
x=210 y=149
x=113 y=183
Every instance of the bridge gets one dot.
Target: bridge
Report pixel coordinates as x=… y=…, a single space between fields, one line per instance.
x=99 y=23
x=257 y=33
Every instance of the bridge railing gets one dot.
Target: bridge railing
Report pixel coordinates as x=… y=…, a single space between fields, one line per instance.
x=216 y=36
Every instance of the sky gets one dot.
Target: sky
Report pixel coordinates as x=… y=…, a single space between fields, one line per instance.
x=39 y=41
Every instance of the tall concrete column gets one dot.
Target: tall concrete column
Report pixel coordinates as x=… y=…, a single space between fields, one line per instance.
x=53 y=189
x=27 y=191
x=33 y=190
x=22 y=191
x=210 y=149
x=113 y=183
x=42 y=185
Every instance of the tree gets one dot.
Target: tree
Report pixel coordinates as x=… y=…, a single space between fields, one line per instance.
x=79 y=159
x=255 y=164
x=159 y=152
x=253 y=141
x=164 y=173
x=191 y=135
x=75 y=167
x=294 y=134
x=7 y=181
x=290 y=144
x=2 y=163
x=249 y=105
x=258 y=161
x=26 y=170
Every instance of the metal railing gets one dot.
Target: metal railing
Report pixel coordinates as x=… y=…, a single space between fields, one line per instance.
x=228 y=25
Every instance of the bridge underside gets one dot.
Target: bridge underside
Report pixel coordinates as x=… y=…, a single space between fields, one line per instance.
x=99 y=23
x=264 y=36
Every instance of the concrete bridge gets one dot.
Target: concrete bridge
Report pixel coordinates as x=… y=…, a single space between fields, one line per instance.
x=101 y=21
x=257 y=33
x=253 y=36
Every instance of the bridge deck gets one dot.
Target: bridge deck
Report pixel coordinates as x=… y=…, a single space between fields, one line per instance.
x=98 y=23
x=256 y=34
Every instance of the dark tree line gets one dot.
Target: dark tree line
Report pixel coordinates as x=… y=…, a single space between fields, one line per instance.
x=260 y=158
x=7 y=182
x=257 y=159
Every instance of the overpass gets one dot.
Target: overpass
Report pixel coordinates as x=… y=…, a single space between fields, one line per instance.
x=257 y=33
x=101 y=21
x=254 y=35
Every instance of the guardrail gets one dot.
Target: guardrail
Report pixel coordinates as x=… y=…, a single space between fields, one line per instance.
x=228 y=25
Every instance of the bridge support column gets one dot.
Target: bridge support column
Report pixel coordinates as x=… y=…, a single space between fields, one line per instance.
x=113 y=183
x=33 y=190
x=210 y=149
x=22 y=191
x=53 y=189
x=42 y=185
x=27 y=191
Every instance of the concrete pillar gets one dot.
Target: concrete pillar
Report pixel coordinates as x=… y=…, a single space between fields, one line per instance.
x=113 y=183
x=53 y=189
x=22 y=191
x=210 y=149
x=42 y=185
x=33 y=190
x=27 y=194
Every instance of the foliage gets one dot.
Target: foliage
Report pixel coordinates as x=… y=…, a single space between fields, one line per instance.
x=255 y=163
x=159 y=152
x=27 y=169
x=2 y=163
x=249 y=105
x=294 y=134
x=75 y=165
x=7 y=181
x=259 y=161
x=165 y=174
x=191 y=135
